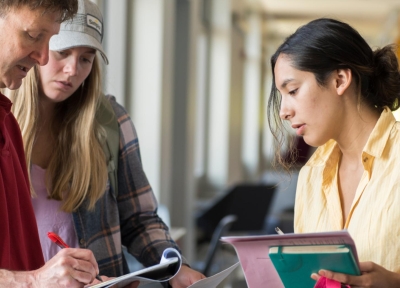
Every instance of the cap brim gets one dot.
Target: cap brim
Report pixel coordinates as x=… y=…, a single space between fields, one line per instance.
x=71 y=39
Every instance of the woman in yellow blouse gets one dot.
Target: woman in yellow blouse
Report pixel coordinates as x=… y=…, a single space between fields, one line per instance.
x=338 y=94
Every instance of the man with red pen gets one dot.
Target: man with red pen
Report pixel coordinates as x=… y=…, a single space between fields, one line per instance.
x=26 y=27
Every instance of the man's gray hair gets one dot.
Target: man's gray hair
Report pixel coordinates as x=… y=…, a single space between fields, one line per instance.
x=66 y=8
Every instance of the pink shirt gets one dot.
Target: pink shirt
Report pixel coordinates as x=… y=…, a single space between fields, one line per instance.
x=49 y=217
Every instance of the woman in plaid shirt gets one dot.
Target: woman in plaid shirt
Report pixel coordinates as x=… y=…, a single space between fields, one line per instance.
x=63 y=147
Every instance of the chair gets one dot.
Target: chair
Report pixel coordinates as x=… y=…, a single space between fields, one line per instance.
x=249 y=202
x=281 y=213
x=222 y=228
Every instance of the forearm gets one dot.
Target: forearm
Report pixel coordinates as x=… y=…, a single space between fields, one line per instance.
x=20 y=279
x=147 y=241
x=142 y=231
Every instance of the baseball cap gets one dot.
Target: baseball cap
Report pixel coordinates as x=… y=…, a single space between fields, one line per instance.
x=85 y=29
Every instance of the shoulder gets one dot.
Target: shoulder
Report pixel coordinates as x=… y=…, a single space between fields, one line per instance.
x=394 y=136
x=390 y=148
x=126 y=126
x=396 y=129
x=119 y=110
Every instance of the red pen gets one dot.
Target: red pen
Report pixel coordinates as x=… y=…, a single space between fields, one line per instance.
x=60 y=243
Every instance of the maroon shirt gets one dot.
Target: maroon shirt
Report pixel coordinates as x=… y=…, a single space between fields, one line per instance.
x=19 y=240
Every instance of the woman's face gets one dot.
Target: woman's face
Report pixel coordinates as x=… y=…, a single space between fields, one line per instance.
x=313 y=111
x=65 y=72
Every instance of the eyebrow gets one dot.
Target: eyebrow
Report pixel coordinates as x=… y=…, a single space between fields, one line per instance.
x=89 y=50
x=286 y=82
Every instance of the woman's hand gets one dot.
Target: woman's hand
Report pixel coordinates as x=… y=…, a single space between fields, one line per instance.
x=185 y=277
x=372 y=276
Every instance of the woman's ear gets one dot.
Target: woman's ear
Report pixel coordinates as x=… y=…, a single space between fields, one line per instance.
x=343 y=80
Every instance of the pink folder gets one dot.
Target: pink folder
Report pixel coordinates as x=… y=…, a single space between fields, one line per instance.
x=253 y=253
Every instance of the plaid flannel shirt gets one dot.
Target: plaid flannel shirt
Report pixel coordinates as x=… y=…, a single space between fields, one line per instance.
x=130 y=219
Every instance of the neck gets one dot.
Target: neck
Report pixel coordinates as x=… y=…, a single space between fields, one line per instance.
x=356 y=130
x=46 y=112
x=44 y=142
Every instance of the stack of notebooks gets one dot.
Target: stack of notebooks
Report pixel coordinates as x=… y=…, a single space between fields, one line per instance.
x=295 y=264
x=287 y=261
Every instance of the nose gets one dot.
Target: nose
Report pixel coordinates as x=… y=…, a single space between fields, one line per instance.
x=71 y=66
x=41 y=55
x=285 y=112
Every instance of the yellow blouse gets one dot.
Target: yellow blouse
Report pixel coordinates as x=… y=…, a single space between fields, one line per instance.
x=374 y=218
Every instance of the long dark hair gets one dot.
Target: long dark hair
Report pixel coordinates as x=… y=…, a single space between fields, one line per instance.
x=324 y=45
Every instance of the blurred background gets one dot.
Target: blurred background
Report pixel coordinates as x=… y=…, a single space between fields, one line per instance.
x=194 y=75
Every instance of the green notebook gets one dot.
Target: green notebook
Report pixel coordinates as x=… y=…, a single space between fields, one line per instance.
x=295 y=264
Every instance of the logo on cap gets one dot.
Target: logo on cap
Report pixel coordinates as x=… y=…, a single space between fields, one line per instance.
x=95 y=23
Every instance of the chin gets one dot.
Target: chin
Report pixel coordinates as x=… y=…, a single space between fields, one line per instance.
x=55 y=96
x=59 y=98
x=313 y=142
x=14 y=84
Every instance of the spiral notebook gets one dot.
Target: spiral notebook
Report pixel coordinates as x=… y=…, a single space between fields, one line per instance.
x=168 y=267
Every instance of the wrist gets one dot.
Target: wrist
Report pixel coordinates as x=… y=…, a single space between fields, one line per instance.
x=26 y=279
x=34 y=279
x=397 y=281
x=17 y=279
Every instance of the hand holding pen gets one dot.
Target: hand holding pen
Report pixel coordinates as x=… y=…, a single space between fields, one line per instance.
x=60 y=243
x=279 y=231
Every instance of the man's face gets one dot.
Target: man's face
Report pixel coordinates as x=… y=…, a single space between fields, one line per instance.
x=24 y=42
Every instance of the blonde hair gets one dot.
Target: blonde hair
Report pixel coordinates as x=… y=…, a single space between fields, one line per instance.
x=77 y=169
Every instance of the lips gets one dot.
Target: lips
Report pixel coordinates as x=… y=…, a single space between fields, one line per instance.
x=296 y=126
x=66 y=83
x=299 y=128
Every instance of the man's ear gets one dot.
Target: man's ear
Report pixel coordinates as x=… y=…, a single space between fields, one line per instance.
x=343 y=79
